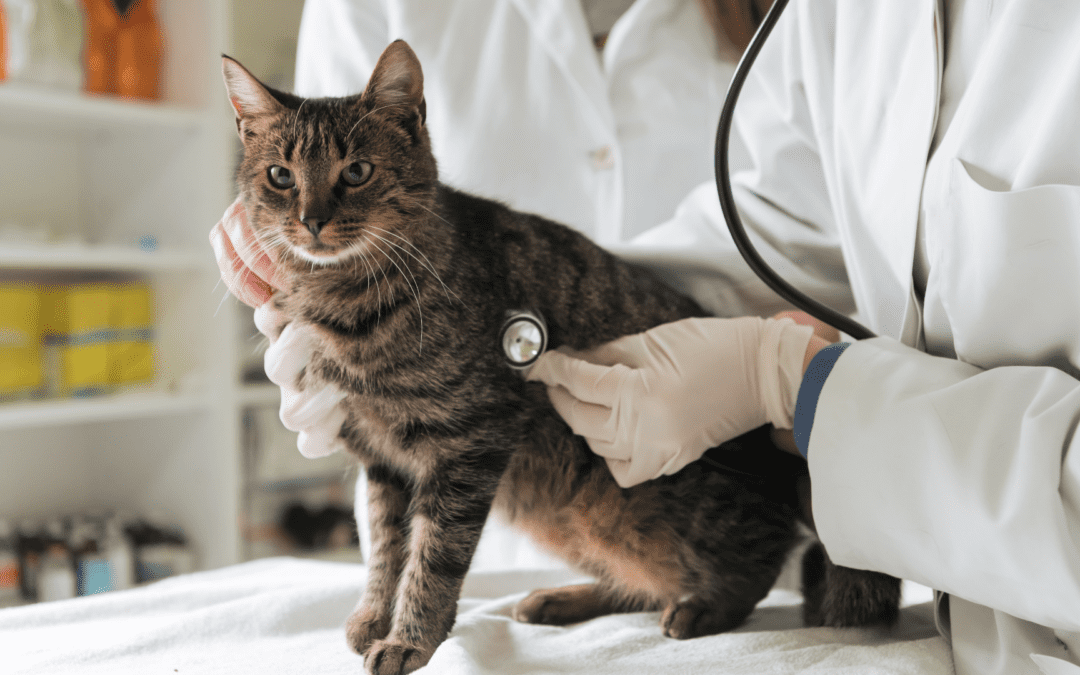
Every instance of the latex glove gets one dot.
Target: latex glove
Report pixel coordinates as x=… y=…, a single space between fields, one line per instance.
x=246 y=268
x=314 y=411
x=251 y=275
x=652 y=403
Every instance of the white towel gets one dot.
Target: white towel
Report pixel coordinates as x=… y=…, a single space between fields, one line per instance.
x=285 y=615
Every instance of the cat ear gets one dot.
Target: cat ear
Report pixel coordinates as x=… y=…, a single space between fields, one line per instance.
x=250 y=99
x=398 y=80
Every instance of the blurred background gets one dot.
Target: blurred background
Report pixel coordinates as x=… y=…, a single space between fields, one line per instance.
x=138 y=436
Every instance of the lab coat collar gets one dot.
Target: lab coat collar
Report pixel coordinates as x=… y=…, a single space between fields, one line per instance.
x=631 y=29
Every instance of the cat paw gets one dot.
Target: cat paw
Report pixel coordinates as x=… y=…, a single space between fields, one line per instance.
x=562 y=606
x=694 y=618
x=364 y=627
x=387 y=657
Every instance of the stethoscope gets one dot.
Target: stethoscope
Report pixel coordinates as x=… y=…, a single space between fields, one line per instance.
x=524 y=333
x=524 y=338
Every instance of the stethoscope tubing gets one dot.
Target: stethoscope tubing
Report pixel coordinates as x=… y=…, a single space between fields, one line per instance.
x=773 y=280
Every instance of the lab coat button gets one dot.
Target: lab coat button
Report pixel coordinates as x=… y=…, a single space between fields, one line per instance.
x=603 y=158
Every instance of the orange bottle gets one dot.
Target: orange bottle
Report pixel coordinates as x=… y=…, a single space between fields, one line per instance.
x=124 y=48
x=139 y=52
x=99 y=55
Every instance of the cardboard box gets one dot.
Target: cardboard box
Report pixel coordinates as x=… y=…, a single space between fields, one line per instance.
x=20 y=342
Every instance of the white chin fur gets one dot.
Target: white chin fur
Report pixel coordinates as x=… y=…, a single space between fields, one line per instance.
x=324 y=260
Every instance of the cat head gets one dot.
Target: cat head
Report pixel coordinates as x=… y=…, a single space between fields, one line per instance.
x=326 y=180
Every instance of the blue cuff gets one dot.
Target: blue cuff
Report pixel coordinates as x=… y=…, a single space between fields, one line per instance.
x=810 y=390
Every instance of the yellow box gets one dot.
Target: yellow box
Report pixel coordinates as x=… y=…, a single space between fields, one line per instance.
x=77 y=324
x=20 y=341
x=132 y=356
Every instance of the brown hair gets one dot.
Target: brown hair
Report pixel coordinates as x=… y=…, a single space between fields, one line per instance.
x=734 y=22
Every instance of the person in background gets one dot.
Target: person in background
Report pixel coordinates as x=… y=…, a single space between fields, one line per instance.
x=596 y=113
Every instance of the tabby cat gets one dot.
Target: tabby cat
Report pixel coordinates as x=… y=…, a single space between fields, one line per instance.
x=407 y=282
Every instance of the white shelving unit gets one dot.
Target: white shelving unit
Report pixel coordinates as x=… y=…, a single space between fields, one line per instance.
x=108 y=173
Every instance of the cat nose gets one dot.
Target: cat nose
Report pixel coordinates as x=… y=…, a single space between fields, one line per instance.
x=314 y=223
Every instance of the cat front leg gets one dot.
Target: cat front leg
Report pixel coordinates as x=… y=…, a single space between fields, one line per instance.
x=449 y=512
x=388 y=503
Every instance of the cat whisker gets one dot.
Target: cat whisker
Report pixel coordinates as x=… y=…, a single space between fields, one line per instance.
x=263 y=344
x=296 y=117
x=349 y=135
x=222 y=303
x=435 y=214
x=415 y=291
x=426 y=262
x=394 y=249
x=374 y=277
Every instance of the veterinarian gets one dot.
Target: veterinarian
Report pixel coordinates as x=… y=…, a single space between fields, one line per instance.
x=920 y=161
x=914 y=162
x=634 y=89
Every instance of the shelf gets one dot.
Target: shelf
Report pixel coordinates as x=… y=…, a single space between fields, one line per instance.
x=41 y=107
x=100 y=409
x=112 y=258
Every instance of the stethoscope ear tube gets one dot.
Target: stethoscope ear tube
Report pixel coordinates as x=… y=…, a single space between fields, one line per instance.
x=727 y=201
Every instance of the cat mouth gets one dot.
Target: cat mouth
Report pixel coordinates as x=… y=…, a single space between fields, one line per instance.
x=321 y=254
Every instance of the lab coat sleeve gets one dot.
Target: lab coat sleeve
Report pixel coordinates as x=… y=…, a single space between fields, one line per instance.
x=961 y=479
x=339 y=43
x=781 y=191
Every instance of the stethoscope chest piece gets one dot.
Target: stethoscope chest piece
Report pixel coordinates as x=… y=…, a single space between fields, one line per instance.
x=523 y=337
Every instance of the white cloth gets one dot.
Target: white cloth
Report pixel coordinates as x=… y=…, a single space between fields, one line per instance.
x=523 y=109
x=930 y=468
x=285 y=616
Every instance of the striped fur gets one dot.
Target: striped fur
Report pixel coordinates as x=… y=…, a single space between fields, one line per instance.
x=408 y=284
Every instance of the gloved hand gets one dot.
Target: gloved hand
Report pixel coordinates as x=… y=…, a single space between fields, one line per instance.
x=652 y=403
x=247 y=270
x=251 y=275
x=314 y=411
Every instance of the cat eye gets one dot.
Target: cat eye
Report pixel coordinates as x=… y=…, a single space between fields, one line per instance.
x=357 y=173
x=280 y=177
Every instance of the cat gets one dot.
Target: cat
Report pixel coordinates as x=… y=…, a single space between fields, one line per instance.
x=407 y=283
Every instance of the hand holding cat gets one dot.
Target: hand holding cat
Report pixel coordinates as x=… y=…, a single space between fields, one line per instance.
x=312 y=411
x=652 y=403
x=251 y=275
x=246 y=268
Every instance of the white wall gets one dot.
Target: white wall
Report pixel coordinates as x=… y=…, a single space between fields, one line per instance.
x=264 y=38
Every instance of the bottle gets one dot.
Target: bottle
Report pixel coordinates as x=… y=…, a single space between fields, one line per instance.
x=139 y=52
x=18 y=25
x=9 y=566
x=124 y=48
x=120 y=554
x=45 y=41
x=92 y=571
x=31 y=546
x=99 y=54
x=57 y=578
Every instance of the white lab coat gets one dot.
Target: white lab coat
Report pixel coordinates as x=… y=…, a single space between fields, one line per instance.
x=521 y=108
x=956 y=470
